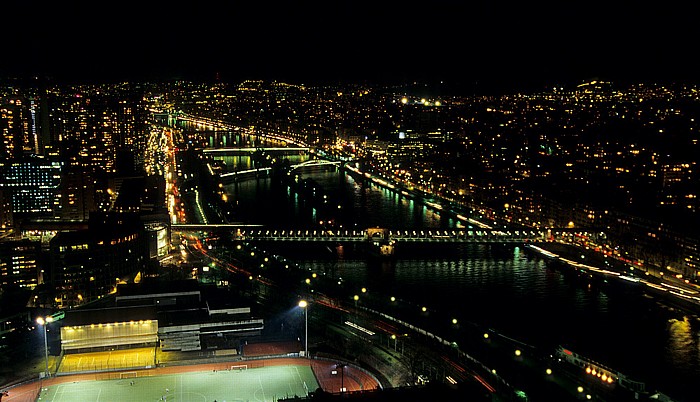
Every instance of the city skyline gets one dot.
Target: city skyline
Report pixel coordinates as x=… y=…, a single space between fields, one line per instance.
x=515 y=47
x=568 y=215
x=97 y=183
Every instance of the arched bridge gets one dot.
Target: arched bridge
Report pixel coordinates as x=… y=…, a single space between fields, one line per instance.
x=266 y=171
x=252 y=150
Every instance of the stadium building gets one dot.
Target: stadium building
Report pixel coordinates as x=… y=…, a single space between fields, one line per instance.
x=172 y=316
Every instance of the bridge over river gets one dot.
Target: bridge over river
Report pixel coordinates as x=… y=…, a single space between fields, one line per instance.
x=252 y=232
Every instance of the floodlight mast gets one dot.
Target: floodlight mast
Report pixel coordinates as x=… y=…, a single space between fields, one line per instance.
x=305 y=305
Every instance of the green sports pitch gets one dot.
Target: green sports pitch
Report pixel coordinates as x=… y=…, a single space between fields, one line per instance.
x=236 y=384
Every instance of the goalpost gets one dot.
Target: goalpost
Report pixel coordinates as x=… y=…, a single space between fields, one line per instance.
x=239 y=367
x=129 y=374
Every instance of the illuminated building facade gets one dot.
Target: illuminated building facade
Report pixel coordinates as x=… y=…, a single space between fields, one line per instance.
x=173 y=316
x=679 y=186
x=34 y=184
x=15 y=128
x=92 y=123
x=19 y=266
x=78 y=195
x=94 y=330
x=6 y=220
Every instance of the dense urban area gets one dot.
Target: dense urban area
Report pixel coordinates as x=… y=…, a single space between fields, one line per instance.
x=94 y=180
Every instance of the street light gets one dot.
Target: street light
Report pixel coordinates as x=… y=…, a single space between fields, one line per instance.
x=342 y=376
x=304 y=305
x=44 y=322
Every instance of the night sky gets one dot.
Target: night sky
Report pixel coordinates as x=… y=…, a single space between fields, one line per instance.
x=491 y=44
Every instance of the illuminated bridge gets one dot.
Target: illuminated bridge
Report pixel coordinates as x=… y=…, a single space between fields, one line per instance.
x=251 y=150
x=259 y=233
x=309 y=163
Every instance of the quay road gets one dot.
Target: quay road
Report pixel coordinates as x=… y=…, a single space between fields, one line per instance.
x=462 y=352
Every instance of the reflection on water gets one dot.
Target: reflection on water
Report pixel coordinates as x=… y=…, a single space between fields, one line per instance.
x=683 y=348
x=498 y=286
x=523 y=297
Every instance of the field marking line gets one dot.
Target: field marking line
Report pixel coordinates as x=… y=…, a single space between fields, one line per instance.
x=302 y=382
x=59 y=391
x=296 y=368
x=262 y=388
x=58 y=396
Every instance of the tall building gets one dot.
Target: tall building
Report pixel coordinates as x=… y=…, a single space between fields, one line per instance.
x=19 y=264
x=679 y=189
x=6 y=220
x=33 y=183
x=77 y=194
x=92 y=123
x=15 y=128
x=86 y=265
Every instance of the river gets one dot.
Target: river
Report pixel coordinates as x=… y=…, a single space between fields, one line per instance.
x=502 y=287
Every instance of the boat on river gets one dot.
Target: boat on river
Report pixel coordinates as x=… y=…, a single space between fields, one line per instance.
x=603 y=377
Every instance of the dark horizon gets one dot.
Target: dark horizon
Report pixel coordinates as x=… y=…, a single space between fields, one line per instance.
x=474 y=85
x=497 y=48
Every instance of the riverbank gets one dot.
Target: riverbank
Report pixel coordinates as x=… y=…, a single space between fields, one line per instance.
x=667 y=289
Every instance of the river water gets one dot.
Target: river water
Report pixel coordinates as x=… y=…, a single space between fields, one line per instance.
x=502 y=287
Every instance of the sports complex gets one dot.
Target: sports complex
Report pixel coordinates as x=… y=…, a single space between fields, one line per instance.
x=262 y=374
x=180 y=344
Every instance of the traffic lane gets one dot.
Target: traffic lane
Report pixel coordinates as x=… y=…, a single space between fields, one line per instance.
x=540 y=377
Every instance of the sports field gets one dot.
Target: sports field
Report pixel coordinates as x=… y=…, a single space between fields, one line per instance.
x=235 y=383
x=254 y=379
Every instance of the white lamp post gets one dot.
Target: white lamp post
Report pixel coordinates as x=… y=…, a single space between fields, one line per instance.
x=304 y=305
x=342 y=376
x=44 y=322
